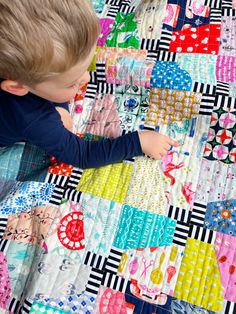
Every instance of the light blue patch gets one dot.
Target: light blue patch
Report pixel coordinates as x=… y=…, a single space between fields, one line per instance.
x=142 y=229
x=10 y=158
x=170 y=75
x=101 y=218
x=24 y=196
x=78 y=303
x=20 y=257
x=201 y=67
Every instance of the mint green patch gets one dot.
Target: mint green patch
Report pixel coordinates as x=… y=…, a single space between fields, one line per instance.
x=232 y=89
x=201 y=67
x=124 y=33
x=10 y=158
x=19 y=259
x=38 y=308
x=142 y=229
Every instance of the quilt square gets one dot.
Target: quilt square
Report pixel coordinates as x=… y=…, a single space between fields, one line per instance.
x=170 y=75
x=104 y=119
x=154 y=269
x=221 y=216
x=226 y=68
x=226 y=255
x=149 y=16
x=184 y=14
x=146 y=190
x=23 y=196
x=85 y=226
x=141 y=229
x=199 y=276
x=217 y=181
x=181 y=165
x=205 y=65
x=110 y=182
x=10 y=161
x=124 y=33
x=203 y=39
x=31 y=226
x=221 y=136
x=69 y=304
x=34 y=164
x=169 y=105
x=228 y=36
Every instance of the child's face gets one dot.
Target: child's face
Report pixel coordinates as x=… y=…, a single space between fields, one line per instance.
x=64 y=86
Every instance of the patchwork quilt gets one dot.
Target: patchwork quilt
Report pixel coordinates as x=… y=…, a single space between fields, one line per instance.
x=140 y=236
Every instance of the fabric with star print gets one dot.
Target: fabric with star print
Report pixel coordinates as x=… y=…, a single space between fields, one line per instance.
x=221 y=136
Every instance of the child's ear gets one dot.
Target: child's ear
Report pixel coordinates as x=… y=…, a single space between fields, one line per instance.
x=14 y=87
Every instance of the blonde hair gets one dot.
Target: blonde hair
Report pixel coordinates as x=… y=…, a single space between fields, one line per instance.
x=42 y=38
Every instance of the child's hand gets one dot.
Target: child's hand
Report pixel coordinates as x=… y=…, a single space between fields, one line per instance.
x=155 y=145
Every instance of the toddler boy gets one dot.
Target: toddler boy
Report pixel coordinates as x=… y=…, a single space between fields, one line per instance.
x=46 y=47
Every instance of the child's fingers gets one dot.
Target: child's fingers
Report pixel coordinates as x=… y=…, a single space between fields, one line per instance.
x=167 y=147
x=173 y=142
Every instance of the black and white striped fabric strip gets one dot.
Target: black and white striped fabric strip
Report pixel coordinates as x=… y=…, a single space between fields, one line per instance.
x=72 y=195
x=203 y=88
x=207 y=104
x=198 y=214
x=3 y=224
x=202 y=234
x=115 y=282
x=181 y=233
x=222 y=88
x=57 y=179
x=179 y=214
x=95 y=260
x=94 y=282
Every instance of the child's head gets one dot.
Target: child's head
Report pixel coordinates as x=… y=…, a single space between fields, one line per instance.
x=46 y=46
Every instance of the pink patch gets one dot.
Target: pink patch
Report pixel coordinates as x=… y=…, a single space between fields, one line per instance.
x=112 y=302
x=105 y=26
x=5 y=289
x=172 y=14
x=104 y=119
x=225 y=247
x=226 y=69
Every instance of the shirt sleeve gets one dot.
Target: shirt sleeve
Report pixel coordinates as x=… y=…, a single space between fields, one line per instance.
x=48 y=133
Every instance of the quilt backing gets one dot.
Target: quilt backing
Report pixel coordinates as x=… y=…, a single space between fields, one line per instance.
x=140 y=236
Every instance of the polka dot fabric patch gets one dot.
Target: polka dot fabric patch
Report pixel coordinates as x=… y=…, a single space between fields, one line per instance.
x=203 y=39
x=170 y=75
x=168 y=106
x=199 y=272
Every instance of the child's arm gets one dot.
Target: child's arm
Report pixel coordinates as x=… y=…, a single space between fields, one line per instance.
x=49 y=133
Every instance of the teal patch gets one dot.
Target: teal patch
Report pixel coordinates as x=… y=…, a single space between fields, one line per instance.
x=142 y=229
x=38 y=308
x=202 y=68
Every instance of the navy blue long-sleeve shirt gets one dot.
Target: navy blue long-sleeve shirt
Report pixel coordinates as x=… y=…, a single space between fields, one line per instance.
x=35 y=120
